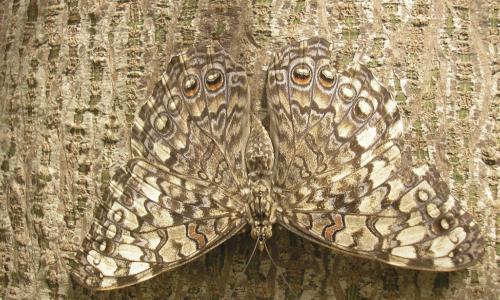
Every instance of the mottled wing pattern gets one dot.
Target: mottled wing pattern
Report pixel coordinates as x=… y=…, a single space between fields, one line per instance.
x=152 y=221
x=180 y=196
x=338 y=175
x=197 y=117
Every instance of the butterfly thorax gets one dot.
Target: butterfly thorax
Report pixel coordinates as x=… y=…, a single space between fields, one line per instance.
x=261 y=208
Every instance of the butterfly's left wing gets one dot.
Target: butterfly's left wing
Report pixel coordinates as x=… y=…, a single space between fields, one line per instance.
x=181 y=196
x=338 y=174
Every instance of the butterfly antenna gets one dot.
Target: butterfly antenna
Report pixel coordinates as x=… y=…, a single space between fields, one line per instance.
x=281 y=273
x=251 y=255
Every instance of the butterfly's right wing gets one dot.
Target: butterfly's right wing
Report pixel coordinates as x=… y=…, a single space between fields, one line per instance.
x=339 y=177
x=181 y=196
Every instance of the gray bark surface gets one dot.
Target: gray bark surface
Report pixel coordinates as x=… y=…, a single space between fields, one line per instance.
x=74 y=73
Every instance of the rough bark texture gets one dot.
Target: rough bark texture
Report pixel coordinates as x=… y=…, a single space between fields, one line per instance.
x=73 y=74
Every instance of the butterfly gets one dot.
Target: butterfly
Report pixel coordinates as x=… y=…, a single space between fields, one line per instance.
x=329 y=168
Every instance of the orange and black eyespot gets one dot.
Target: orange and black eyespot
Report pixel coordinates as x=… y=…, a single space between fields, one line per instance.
x=190 y=86
x=326 y=77
x=301 y=74
x=214 y=80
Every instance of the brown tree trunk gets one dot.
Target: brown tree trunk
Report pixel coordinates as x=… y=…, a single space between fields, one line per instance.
x=73 y=74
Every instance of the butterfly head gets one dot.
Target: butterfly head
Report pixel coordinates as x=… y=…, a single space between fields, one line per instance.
x=261 y=233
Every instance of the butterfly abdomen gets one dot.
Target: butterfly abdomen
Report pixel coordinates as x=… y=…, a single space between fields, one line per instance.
x=261 y=210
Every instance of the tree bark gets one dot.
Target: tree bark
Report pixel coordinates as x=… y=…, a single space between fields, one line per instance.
x=74 y=73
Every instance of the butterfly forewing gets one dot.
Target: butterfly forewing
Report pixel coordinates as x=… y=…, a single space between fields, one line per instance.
x=181 y=196
x=338 y=172
x=197 y=117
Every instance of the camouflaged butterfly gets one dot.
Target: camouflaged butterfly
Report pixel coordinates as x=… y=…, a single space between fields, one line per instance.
x=329 y=170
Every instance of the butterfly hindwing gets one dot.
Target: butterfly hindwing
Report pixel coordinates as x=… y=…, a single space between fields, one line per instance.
x=408 y=220
x=180 y=197
x=150 y=222
x=338 y=171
